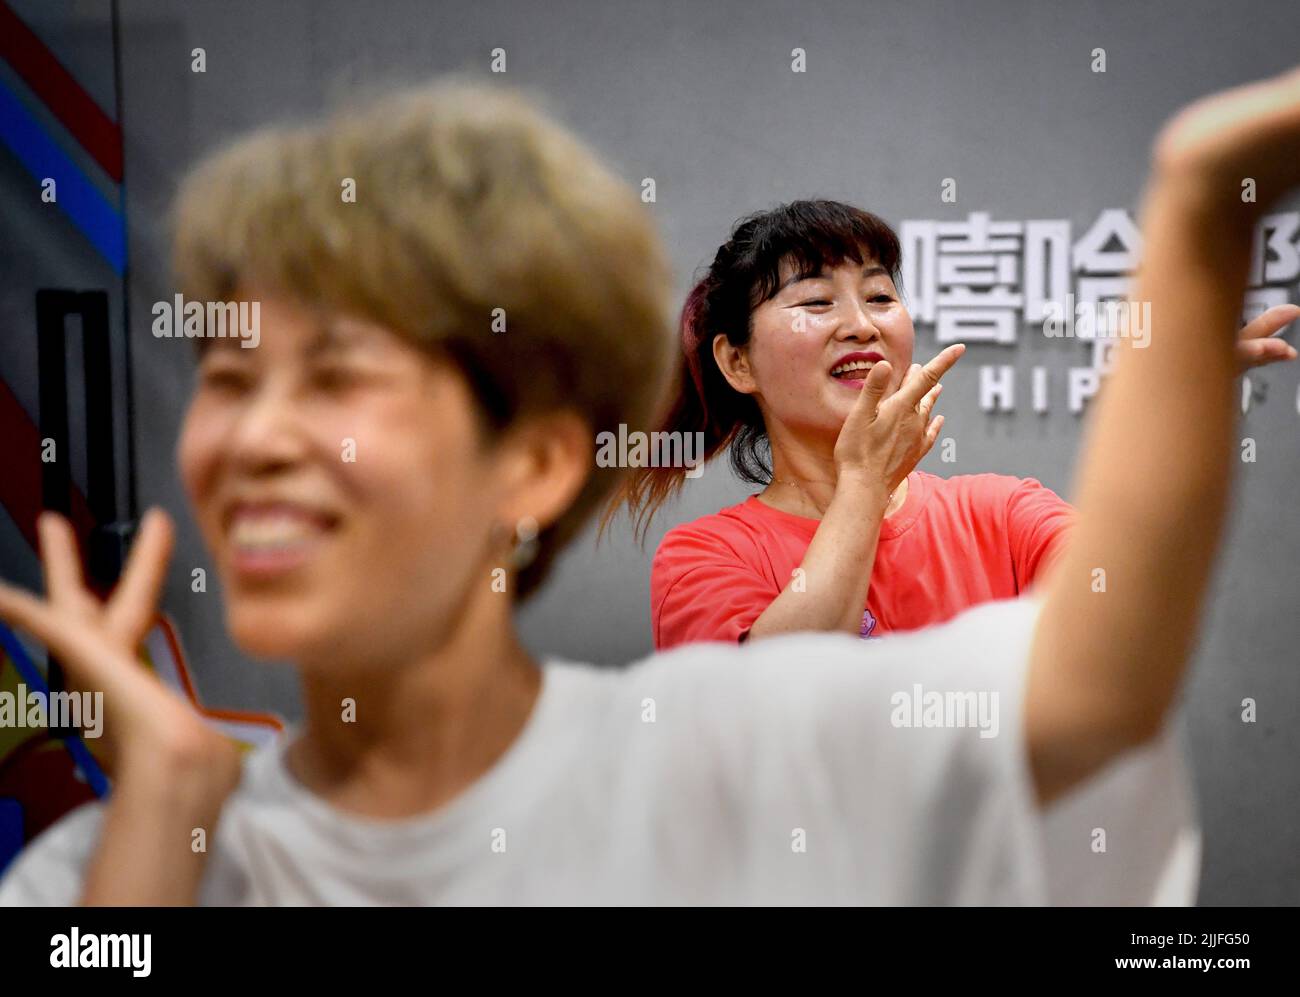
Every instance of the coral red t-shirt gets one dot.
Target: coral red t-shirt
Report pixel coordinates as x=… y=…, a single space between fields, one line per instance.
x=955 y=543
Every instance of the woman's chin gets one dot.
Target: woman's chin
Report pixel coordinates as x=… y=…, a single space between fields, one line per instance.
x=273 y=632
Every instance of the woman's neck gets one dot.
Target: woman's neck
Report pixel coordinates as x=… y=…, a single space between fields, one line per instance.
x=405 y=735
x=804 y=479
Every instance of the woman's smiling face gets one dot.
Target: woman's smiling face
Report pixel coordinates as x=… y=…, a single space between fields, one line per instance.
x=341 y=483
x=813 y=342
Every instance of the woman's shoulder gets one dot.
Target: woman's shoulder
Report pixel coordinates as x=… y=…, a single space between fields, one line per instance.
x=742 y=515
x=984 y=488
x=735 y=529
x=978 y=483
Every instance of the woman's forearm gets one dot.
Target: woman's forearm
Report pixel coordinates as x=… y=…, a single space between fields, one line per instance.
x=1152 y=494
x=834 y=577
x=158 y=827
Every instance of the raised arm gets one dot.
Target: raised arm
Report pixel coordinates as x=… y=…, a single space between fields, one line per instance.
x=1153 y=480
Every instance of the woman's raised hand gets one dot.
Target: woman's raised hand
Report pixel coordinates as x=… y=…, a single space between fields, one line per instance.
x=890 y=431
x=1242 y=141
x=1256 y=344
x=149 y=730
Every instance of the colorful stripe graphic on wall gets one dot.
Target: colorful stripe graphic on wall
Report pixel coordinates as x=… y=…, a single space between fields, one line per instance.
x=54 y=130
x=46 y=83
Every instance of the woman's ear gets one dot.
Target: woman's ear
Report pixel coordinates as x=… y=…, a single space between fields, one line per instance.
x=733 y=361
x=544 y=462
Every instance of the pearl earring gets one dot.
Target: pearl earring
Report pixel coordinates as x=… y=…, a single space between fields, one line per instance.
x=526 y=545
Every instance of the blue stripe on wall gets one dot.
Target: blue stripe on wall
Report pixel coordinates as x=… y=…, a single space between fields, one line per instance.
x=78 y=198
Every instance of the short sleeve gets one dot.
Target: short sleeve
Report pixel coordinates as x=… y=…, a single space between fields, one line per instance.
x=1130 y=835
x=702 y=588
x=1038 y=520
x=50 y=871
x=924 y=782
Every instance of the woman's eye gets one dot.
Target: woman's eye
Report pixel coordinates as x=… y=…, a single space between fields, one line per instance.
x=334 y=378
x=814 y=303
x=224 y=378
x=883 y=297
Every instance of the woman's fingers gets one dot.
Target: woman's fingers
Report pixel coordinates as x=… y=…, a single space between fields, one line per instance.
x=927 y=403
x=1262 y=352
x=923 y=379
x=143 y=719
x=61 y=564
x=24 y=611
x=932 y=433
x=129 y=613
x=1269 y=322
x=133 y=604
x=76 y=642
x=874 y=389
x=1257 y=345
x=927 y=441
x=906 y=412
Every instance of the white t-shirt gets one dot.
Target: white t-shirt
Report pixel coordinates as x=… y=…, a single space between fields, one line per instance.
x=794 y=770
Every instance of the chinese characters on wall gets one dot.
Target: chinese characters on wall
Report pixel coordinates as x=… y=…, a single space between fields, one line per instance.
x=987 y=281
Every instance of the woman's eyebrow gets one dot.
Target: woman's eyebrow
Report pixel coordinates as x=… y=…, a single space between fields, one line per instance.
x=331 y=338
x=220 y=347
x=875 y=270
x=796 y=277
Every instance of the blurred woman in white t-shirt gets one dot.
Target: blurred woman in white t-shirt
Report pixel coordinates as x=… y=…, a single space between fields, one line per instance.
x=385 y=476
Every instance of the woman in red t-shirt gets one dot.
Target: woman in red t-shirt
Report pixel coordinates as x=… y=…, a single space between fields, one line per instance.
x=797 y=355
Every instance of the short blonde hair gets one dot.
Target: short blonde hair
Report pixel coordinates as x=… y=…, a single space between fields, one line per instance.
x=467 y=199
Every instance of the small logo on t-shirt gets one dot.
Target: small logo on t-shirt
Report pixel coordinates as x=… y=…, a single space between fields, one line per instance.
x=868 y=625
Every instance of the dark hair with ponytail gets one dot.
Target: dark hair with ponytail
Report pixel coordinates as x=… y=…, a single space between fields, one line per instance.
x=808 y=235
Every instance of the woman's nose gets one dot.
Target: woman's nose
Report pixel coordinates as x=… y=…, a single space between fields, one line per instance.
x=267 y=434
x=854 y=322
